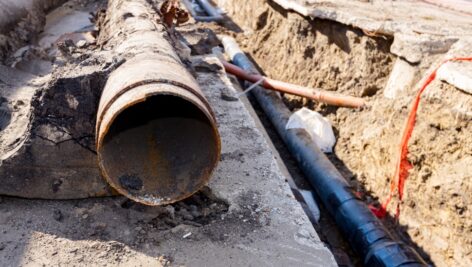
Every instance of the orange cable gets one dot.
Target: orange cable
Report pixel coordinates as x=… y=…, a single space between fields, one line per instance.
x=403 y=165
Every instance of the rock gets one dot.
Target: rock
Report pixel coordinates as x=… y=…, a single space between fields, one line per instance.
x=186 y=215
x=81 y=44
x=401 y=78
x=57 y=215
x=170 y=211
x=228 y=98
x=164 y=261
x=99 y=226
x=206 y=212
x=196 y=213
x=414 y=47
x=181 y=228
x=458 y=74
x=193 y=208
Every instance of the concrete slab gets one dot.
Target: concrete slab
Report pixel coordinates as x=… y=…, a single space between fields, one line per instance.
x=263 y=224
x=458 y=74
x=419 y=28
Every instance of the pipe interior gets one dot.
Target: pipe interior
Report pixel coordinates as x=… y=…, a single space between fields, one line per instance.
x=160 y=149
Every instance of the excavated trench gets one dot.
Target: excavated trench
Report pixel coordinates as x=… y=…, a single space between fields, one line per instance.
x=310 y=52
x=335 y=57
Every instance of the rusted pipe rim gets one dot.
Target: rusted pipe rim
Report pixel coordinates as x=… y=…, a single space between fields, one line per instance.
x=191 y=175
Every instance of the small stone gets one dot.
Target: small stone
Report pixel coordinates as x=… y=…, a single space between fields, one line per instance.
x=164 y=261
x=206 y=212
x=171 y=211
x=170 y=222
x=196 y=214
x=192 y=223
x=99 y=226
x=81 y=44
x=228 y=98
x=188 y=216
x=85 y=216
x=69 y=43
x=185 y=214
x=57 y=215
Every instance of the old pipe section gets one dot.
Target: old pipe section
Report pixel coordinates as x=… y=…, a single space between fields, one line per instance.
x=157 y=139
x=363 y=230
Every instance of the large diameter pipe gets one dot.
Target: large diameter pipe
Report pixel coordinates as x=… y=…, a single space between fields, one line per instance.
x=157 y=139
x=365 y=233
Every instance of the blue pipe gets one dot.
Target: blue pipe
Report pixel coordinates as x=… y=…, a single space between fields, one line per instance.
x=365 y=233
x=213 y=13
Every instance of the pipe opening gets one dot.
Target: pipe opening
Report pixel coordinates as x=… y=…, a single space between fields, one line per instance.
x=160 y=150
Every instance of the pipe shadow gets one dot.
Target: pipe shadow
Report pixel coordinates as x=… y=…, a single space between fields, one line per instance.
x=117 y=223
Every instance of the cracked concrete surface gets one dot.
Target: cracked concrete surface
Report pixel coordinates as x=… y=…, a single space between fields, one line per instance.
x=418 y=27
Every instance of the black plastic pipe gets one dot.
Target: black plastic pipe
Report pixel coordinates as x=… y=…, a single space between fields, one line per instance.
x=365 y=233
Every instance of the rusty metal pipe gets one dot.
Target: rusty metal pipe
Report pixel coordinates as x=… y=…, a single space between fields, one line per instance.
x=157 y=139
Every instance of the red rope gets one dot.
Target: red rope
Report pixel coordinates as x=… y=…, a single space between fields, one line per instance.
x=404 y=166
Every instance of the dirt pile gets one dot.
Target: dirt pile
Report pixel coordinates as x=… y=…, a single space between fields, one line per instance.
x=336 y=57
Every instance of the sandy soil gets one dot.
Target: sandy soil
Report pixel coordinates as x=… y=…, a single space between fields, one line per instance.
x=328 y=55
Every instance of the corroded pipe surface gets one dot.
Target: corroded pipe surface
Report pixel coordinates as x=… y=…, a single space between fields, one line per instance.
x=157 y=139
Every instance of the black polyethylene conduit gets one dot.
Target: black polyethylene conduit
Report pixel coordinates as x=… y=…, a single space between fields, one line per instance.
x=365 y=233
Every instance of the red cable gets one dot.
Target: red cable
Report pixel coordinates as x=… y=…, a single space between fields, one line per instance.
x=403 y=165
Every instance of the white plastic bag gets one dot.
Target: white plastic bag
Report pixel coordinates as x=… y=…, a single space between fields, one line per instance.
x=316 y=125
